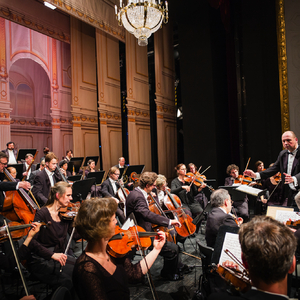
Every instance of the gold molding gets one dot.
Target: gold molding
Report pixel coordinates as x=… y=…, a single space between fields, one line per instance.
x=282 y=66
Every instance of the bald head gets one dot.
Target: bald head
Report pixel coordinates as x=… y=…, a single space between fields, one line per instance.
x=289 y=141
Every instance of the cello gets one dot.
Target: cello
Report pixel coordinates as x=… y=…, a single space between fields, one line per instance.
x=18 y=206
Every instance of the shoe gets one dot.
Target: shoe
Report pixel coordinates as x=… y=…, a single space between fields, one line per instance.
x=186 y=269
x=171 y=277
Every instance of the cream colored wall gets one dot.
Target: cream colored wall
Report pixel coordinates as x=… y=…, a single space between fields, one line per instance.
x=109 y=98
x=165 y=111
x=84 y=90
x=139 y=142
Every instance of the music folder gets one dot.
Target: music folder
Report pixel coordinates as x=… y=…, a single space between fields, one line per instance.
x=22 y=153
x=98 y=175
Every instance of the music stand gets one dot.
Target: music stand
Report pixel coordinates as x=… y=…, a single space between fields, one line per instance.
x=19 y=168
x=74 y=178
x=235 y=194
x=138 y=169
x=97 y=175
x=81 y=189
x=76 y=164
x=94 y=158
x=22 y=153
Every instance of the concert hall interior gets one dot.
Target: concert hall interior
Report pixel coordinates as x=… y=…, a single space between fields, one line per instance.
x=72 y=78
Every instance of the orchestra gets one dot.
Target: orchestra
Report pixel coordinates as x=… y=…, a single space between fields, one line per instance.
x=162 y=215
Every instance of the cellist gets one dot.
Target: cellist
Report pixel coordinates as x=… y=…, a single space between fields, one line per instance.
x=137 y=203
x=8 y=186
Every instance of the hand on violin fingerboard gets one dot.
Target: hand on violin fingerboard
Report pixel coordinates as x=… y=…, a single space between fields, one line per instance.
x=159 y=240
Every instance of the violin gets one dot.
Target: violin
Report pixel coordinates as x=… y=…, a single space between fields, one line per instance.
x=277 y=177
x=16 y=229
x=69 y=212
x=239 y=280
x=197 y=179
x=244 y=180
x=124 y=240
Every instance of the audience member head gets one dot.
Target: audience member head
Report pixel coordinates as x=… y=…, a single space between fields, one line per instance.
x=268 y=249
x=96 y=219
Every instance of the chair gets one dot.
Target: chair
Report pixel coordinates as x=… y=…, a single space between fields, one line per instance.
x=61 y=293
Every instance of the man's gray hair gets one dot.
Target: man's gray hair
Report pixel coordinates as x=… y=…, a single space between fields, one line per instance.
x=218 y=197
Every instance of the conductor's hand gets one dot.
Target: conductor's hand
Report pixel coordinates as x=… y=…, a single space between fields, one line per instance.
x=249 y=173
x=159 y=240
x=175 y=222
x=60 y=257
x=288 y=178
x=24 y=185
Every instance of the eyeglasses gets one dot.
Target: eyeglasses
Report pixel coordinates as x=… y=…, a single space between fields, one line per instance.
x=117 y=174
x=182 y=169
x=4 y=164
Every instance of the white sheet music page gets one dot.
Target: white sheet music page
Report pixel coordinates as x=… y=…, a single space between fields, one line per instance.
x=232 y=243
x=283 y=215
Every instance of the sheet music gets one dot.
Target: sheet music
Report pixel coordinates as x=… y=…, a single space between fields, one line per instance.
x=249 y=190
x=232 y=243
x=283 y=216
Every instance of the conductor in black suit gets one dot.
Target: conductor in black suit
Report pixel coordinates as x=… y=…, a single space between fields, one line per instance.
x=45 y=179
x=288 y=164
x=219 y=215
x=6 y=185
x=137 y=204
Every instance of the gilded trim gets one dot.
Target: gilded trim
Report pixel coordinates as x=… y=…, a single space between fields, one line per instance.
x=282 y=66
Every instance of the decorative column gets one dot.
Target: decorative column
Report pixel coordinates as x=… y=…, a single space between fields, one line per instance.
x=5 y=109
x=55 y=111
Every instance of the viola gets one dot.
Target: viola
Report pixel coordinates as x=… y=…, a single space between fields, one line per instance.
x=69 y=212
x=277 y=177
x=173 y=203
x=16 y=229
x=197 y=179
x=239 y=280
x=124 y=240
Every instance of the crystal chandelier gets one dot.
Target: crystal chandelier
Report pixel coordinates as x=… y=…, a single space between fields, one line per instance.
x=142 y=18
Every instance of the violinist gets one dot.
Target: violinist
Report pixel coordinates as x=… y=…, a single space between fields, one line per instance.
x=8 y=186
x=97 y=275
x=26 y=164
x=219 y=215
x=200 y=197
x=137 y=204
x=268 y=253
x=63 y=165
x=45 y=179
x=288 y=164
x=185 y=192
x=48 y=245
x=241 y=205
x=109 y=188
x=91 y=167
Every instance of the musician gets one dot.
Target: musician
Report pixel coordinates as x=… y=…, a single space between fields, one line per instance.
x=200 y=197
x=45 y=179
x=46 y=150
x=219 y=215
x=48 y=245
x=33 y=173
x=8 y=186
x=13 y=173
x=63 y=165
x=288 y=164
x=97 y=275
x=11 y=152
x=259 y=166
x=109 y=188
x=268 y=253
x=26 y=164
x=241 y=205
x=185 y=192
x=69 y=155
x=137 y=203
x=91 y=165
x=121 y=164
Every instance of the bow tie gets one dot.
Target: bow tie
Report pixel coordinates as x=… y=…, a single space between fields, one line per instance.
x=290 y=153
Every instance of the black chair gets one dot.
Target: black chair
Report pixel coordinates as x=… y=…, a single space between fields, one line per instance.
x=61 y=293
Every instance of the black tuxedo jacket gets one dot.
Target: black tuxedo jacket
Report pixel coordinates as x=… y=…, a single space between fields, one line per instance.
x=41 y=186
x=215 y=219
x=137 y=204
x=281 y=166
x=6 y=186
x=107 y=189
